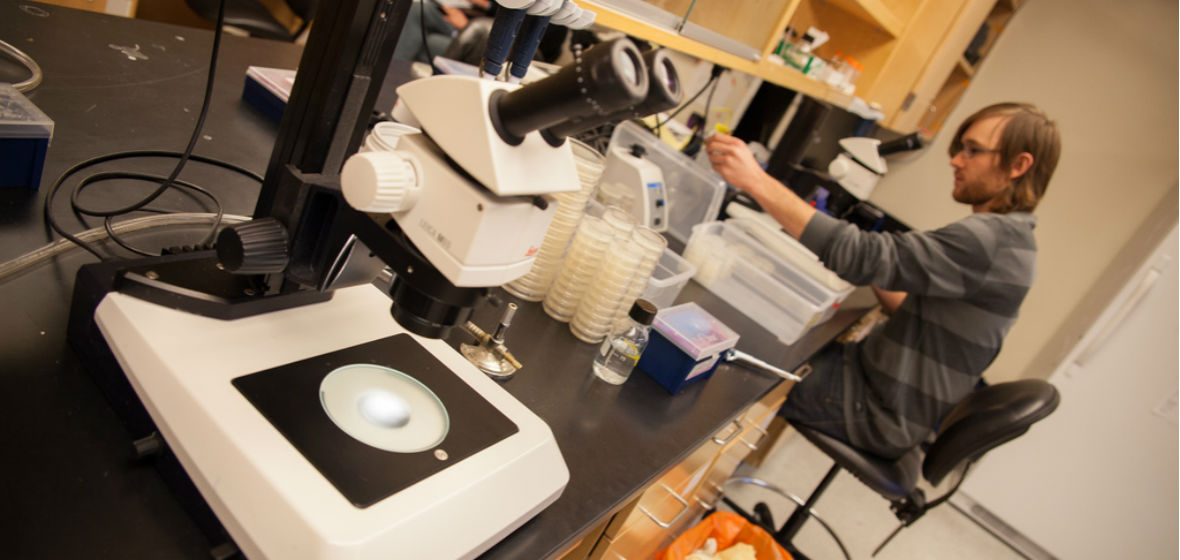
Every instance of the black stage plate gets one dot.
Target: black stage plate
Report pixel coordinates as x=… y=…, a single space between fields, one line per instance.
x=289 y=397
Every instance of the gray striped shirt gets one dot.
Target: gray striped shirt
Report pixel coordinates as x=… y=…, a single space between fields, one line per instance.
x=965 y=283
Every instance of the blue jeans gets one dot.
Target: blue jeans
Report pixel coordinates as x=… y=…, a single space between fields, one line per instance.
x=818 y=401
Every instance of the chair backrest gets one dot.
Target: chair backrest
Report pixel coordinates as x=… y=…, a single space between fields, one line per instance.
x=987 y=418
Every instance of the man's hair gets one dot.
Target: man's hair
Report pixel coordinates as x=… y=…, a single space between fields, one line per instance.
x=1027 y=129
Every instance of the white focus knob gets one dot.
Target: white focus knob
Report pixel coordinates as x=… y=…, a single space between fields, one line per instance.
x=381 y=181
x=838 y=168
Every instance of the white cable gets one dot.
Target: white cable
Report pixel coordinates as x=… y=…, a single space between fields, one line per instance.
x=34 y=80
x=12 y=268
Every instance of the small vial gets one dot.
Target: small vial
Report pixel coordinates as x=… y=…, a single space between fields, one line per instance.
x=620 y=352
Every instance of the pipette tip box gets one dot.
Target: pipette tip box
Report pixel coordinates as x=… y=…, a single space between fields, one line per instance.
x=25 y=132
x=685 y=346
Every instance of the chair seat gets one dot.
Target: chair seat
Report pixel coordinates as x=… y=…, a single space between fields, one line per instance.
x=892 y=479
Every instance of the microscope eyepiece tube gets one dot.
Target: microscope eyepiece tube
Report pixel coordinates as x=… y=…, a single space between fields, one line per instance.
x=663 y=93
x=604 y=79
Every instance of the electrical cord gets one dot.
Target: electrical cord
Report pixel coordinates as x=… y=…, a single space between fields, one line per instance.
x=714 y=74
x=425 y=43
x=34 y=69
x=708 y=107
x=165 y=182
x=53 y=190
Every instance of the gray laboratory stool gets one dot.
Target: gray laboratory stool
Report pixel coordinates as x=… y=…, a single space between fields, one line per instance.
x=985 y=419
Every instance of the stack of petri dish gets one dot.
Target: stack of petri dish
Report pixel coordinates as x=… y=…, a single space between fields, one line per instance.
x=571 y=206
x=622 y=275
x=653 y=246
x=583 y=260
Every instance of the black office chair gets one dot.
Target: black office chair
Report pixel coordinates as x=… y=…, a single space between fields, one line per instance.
x=983 y=420
x=254 y=18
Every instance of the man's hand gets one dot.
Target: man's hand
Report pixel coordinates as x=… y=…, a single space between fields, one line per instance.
x=732 y=159
x=889 y=301
x=454 y=16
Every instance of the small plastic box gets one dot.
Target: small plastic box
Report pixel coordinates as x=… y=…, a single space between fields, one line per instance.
x=670 y=275
x=766 y=275
x=694 y=194
x=686 y=346
x=25 y=132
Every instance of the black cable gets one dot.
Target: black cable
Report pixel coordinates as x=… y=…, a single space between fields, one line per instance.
x=422 y=25
x=165 y=183
x=686 y=103
x=192 y=141
x=109 y=217
x=713 y=76
x=52 y=193
x=700 y=132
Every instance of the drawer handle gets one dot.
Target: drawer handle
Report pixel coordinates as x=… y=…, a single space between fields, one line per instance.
x=704 y=504
x=802 y=372
x=666 y=524
x=762 y=438
x=737 y=430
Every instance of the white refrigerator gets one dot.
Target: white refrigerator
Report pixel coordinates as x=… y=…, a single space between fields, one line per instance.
x=1098 y=478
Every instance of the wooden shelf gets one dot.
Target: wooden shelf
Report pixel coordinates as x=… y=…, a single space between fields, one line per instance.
x=874 y=12
x=778 y=74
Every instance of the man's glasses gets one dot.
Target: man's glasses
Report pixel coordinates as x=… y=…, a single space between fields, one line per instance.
x=970 y=151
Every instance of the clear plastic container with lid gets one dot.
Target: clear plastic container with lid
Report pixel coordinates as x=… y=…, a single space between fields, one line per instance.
x=25 y=132
x=766 y=275
x=694 y=194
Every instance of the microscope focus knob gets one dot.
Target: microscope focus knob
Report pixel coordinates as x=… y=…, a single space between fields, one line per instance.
x=381 y=181
x=255 y=247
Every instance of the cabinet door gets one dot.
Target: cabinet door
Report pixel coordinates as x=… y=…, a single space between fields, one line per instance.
x=943 y=78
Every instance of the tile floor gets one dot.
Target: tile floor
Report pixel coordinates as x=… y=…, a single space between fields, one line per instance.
x=861 y=517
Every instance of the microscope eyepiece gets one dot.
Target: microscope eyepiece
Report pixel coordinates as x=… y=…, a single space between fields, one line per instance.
x=663 y=93
x=602 y=80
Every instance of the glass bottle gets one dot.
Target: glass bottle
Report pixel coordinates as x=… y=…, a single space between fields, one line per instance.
x=620 y=352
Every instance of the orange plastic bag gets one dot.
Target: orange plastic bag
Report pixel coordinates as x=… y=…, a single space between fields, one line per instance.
x=728 y=529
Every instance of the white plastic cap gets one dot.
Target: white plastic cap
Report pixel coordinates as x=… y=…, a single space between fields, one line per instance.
x=381 y=181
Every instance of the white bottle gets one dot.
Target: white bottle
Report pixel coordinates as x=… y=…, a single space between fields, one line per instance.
x=620 y=352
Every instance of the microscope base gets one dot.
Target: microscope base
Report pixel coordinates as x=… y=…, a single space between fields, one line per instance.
x=239 y=403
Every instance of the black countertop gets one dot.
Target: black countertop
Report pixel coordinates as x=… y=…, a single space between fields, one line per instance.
x=71 y=487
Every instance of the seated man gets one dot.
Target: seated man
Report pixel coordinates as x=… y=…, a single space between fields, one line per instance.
x=437 y=22
x=953 y=292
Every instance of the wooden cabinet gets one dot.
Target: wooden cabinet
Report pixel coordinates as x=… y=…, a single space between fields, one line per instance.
x=678 y=498
x=949 y=71
x=911 y=51
x=125 y=8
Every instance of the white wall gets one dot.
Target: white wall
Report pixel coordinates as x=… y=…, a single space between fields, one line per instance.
x=1107 y=72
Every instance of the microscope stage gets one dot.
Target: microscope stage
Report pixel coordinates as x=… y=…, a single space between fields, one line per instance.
x=265 y=413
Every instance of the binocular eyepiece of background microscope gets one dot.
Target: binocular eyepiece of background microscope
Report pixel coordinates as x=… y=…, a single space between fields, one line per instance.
x=606 y=78
x=663 y=93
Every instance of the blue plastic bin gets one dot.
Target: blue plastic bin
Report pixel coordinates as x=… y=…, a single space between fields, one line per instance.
x=686 y=346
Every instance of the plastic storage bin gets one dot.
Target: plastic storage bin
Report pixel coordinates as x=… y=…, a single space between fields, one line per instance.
x=24 y=140
x=685 y=346
x=694 y=194
x=766 y=275
x=670 y=275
